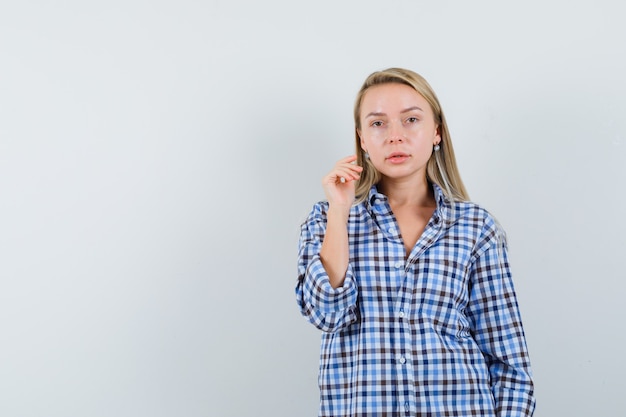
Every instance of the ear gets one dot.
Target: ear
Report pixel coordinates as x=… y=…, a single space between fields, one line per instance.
x=437 y=136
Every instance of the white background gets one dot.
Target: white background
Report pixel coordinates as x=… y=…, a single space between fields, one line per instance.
x=157 y=158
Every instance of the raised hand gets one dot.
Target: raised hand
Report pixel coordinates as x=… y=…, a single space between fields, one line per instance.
x=339 y=186
x=340 y=183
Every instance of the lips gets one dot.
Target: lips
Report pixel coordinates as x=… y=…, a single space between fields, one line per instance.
x=397 y=157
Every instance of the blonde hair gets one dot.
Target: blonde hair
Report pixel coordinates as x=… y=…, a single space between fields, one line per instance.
x=441 y=168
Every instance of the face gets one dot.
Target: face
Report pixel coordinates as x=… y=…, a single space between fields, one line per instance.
x=398 y=131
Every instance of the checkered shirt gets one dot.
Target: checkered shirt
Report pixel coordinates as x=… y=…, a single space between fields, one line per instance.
x=436 y=334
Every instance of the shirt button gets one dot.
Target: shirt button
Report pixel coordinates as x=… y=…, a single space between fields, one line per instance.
x=407 y=408
x=402 y=360
x=391 y=230
x=401 y=314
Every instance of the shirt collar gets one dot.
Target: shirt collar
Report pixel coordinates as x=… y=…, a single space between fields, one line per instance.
x=443 y=205
x=374 y=198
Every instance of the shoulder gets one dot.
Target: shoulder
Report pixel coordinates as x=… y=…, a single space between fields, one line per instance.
x=466 y=213
x=316 y=217
x=470 y=211
x=320 y=208
x=473 y=216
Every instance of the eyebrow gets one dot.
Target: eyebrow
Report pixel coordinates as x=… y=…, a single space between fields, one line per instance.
x=378 y=114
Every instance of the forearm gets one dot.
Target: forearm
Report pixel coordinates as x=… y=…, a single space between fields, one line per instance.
x=335 y=250
x=329 y=308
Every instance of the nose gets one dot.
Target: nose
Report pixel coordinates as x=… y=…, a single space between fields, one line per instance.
x=396 y=135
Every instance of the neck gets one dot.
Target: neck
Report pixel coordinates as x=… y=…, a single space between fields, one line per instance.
x=402 y=193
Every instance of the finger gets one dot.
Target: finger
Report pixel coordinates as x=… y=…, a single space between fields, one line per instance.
x=347 y=159
x=351 y=167
x=345 y=172
x=349 y=172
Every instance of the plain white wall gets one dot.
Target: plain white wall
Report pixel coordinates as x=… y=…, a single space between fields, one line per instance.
x=157 y=158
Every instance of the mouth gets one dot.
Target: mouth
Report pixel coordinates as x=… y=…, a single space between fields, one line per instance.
x=397 y=157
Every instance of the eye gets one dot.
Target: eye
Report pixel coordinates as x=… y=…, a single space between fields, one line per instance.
x=412 y=119
x=376 y=123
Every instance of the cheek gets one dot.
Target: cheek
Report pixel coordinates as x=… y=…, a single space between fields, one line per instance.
x=375 y=154
x=369 y=142
x=374 y=134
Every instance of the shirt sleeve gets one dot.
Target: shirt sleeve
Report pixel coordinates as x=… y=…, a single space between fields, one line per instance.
x=497 y=327
x=329 y=309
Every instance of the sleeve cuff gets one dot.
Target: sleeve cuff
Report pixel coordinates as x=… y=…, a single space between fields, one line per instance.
x=322 y=295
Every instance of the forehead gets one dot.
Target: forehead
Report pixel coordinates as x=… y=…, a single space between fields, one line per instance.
x=392 y=97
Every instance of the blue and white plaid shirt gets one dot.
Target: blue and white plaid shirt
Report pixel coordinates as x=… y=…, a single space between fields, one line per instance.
x=436 y=334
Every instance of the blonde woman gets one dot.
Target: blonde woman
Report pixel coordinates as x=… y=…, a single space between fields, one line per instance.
x=407 y=279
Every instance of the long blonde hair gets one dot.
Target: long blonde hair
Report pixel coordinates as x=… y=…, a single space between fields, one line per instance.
x=441 y=168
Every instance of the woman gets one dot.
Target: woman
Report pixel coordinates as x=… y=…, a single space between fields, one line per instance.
x=407 y=279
